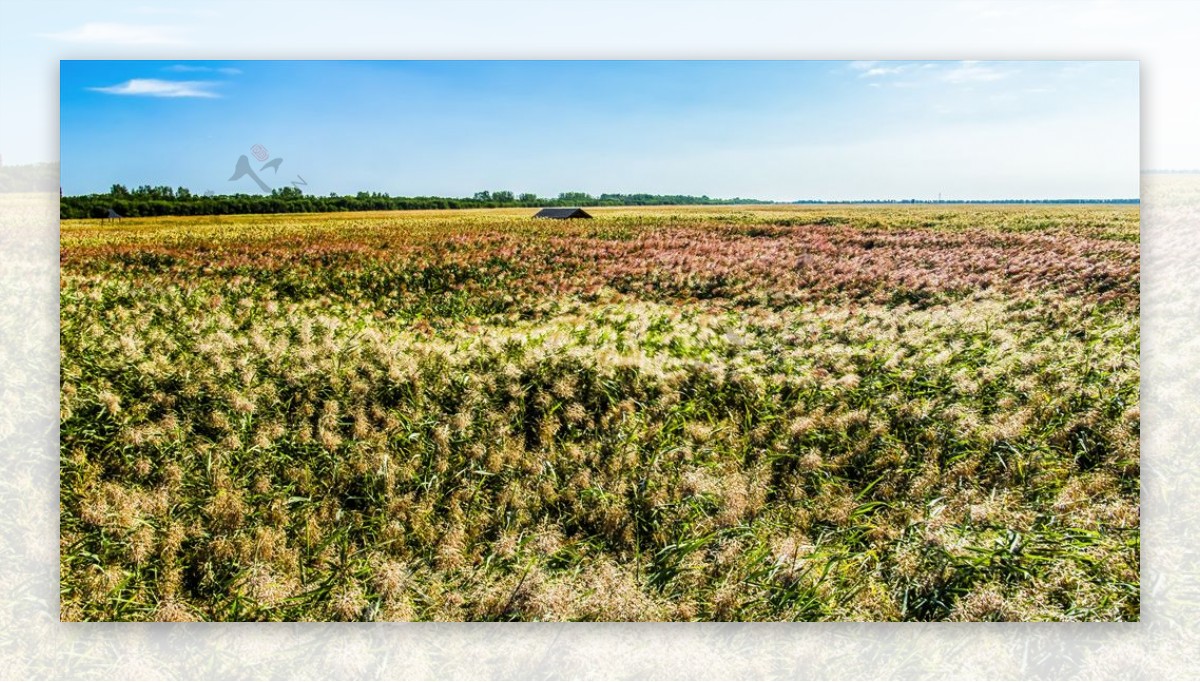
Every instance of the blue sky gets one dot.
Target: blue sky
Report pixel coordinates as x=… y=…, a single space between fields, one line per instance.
x=778 y=130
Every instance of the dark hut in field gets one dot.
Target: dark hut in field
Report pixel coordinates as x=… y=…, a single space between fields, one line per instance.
x=111 y=215
x=562 y=213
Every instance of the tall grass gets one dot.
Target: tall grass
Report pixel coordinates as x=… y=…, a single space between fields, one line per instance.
x=822 y=413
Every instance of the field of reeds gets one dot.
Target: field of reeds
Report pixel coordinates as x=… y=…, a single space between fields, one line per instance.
x=920 y=412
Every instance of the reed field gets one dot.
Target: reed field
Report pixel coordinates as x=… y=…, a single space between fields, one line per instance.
x=825 y=412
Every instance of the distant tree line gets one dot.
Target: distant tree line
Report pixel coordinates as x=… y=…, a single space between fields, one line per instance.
x=160 y=201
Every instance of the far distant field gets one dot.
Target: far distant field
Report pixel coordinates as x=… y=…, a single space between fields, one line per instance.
x=819 y=412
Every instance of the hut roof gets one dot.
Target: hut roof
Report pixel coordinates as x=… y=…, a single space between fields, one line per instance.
x=562 y=213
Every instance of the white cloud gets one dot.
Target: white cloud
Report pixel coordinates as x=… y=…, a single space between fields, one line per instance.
x=875 y=72
x=106 y=33
x=966 y=71
x=153 y=87
x=973 y=72
x=176 y=11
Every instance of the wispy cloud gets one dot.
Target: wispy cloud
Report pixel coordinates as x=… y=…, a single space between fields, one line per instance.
x=107 y=33
x=176 y=11
x=881 y=70
x=877 y=71
x=907 y=74
x=189 y=68
x=153 y=87
x=974 y=72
